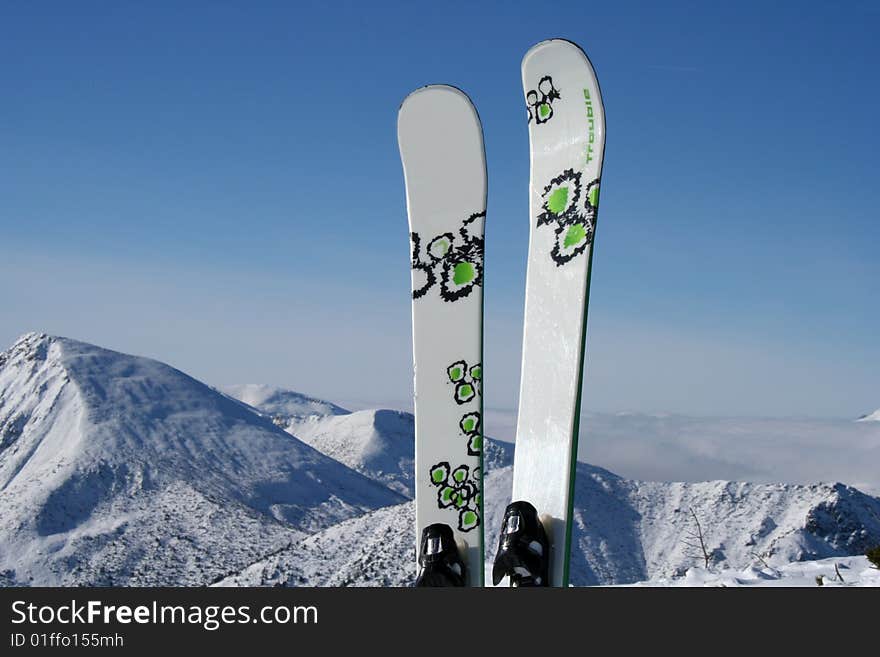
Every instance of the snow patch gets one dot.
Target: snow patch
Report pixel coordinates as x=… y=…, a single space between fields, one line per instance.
x=836 y=571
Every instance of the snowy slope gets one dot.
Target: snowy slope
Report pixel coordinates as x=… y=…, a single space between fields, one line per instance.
x=835 y=572
x=316 y=562
x=625 y=531
x=871 y=417
x=119 y=469
x=376 y=549
x=376 y=443
x=628 y=531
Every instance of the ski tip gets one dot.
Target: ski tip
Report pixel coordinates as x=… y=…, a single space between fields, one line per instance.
x=439 y=88
x=558 y=54
x=436 y=107
x=554 y=42
x=558 y=44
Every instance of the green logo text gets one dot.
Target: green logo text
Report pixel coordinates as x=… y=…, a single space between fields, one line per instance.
x=591 y=122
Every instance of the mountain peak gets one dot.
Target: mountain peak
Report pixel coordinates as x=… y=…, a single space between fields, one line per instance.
x=32 y=337
x=30 y=346
x=281 y=404
x=377 y=443
x=136 y=473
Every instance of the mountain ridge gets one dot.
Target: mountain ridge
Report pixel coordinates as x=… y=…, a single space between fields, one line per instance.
x=281 y=404
x=120 y=469
x=625 y=530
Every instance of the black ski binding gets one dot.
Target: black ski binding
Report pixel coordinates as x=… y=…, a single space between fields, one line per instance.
x=523 y=548
x=439 y=561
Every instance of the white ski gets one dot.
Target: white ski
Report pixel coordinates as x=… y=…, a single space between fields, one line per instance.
x=441 y=146
x=567 y=141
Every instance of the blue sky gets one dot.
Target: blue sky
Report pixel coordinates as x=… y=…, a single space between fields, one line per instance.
x=218 y=185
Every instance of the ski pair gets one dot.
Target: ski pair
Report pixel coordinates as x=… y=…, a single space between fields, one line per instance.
x=444 y=164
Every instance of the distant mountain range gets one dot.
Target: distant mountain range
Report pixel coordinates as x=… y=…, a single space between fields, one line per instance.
x=283 y=406
x=625 y=531
x=121 y=470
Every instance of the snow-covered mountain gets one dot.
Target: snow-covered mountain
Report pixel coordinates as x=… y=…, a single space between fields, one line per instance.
x=118 y=469
x=280 y=404
x=377 y=443
x=376 y=549
x=625 y=531
x=870 y=417
x=122 y=470
x=316 y=561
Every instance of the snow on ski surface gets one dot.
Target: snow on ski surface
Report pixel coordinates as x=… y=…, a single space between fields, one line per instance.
x=122 y=470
